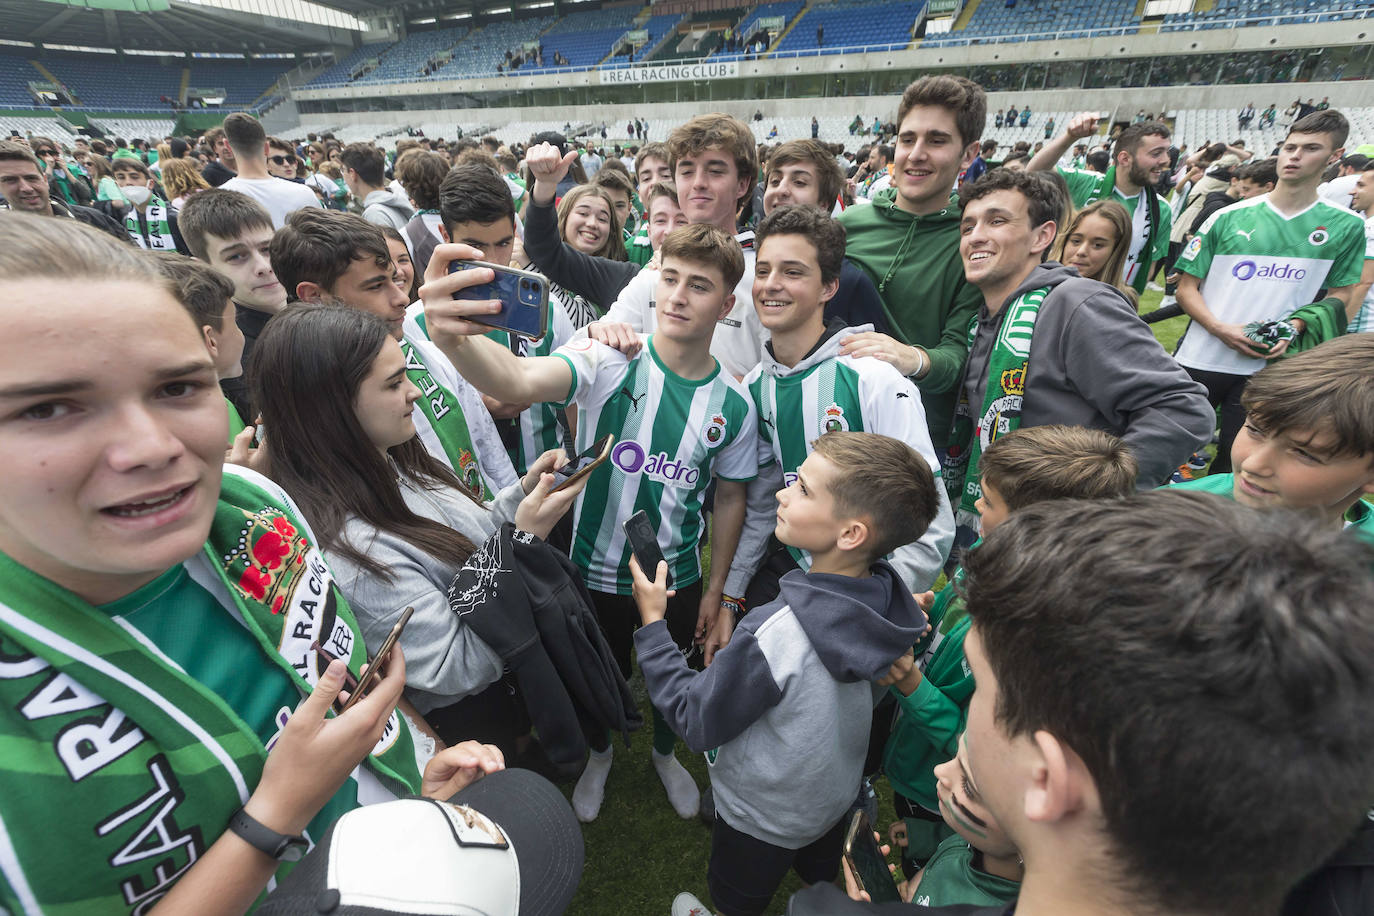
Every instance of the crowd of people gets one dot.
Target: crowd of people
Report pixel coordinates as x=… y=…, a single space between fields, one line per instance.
x=932 y=505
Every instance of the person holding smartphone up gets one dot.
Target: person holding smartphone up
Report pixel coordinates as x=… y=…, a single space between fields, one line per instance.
x=679 y=421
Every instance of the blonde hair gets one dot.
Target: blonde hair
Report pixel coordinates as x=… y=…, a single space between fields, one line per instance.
x=1114 y=271
x=614 y=246
x=180 y=178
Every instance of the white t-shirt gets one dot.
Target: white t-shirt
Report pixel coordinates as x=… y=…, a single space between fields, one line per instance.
x=279 y=196
x=1339 y=191
x=1364 y=318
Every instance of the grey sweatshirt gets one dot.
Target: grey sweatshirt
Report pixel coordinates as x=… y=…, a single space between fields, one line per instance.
x=445 y=661
x=387 y=208
x=784 y=709
x=1094 y=363
x=891 y=406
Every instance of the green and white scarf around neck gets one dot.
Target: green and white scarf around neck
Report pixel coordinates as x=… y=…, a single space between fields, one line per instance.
x=1002 y=401
x=117 y=770
x=159 y=227
x=445 y=415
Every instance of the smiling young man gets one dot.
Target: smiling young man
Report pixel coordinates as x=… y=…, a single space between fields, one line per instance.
x=908 y=243
x=233 y=234
x=1140 y=157
x=1261 y=260
x=323 y=256
x=1183 y=772
x=1048 y=346
x=25 y=188
x=679 y=420
x=804 y=388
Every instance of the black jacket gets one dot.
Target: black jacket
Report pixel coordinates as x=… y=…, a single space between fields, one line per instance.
x=828 y=900
x=527 y=601
x=91 y=217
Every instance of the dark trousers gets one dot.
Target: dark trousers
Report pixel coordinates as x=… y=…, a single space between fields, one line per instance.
x=745 y=872
x=1224 y=391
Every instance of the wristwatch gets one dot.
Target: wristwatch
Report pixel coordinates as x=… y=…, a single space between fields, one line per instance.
x=280 y=846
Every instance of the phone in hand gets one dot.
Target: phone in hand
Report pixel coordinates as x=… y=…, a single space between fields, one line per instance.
x=867 y=862
x=639 y=531
x=374 y=667
x=524 y=297
x=584 y=463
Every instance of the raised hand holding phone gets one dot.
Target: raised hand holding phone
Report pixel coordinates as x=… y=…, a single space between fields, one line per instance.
x=867 y=871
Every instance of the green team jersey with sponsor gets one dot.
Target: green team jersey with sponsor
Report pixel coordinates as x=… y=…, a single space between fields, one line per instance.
x=1257 y=264
x=671 y=436
x=837 y=394
x=949 y=879
x=539 y=429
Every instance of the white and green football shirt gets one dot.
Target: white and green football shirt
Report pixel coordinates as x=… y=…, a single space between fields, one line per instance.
x=1364 y=318
x=836 y=393
x=671 y=436
x=539 y=429
x=1256 y=264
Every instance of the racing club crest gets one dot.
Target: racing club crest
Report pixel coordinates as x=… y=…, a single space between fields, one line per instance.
x=715 y=430
x=834 y=421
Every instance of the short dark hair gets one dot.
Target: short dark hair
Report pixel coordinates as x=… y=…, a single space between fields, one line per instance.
x=829 y=178
x=472 y=193
x=421 y=174
x=884 y=479
x=219 y=212
x=202 y=289
x=366 y=160
x=1044 y=201
x=614 y=180
x=1036 y=463
x=652 y=150
x=18 y=152
x=1260 y=172
x=702 y=243
x=318 y=246
x=1132 y=135
x=710 y=131
x=827 y=235
x=660 y=189
x=244 y=133
x=1330 y=121
x=959 y=95
x=1356 y=162
x=1098 y=160
x=1218 y=698
x=1329 y=388
x=129 y=163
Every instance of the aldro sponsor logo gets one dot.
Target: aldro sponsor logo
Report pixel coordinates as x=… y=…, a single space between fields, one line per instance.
x=632 y=458
x=1246 y=270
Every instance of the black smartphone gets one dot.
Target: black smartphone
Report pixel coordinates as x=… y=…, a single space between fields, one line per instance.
x=378 y=663
x=584 y=463
x=644 y=544
x=524 y=298
x=867 y=862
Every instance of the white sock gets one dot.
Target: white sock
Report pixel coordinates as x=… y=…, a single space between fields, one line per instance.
x=682 y=789
x=591 y=786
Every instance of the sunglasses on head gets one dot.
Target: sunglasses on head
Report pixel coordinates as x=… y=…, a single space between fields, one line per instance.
x=282 y=160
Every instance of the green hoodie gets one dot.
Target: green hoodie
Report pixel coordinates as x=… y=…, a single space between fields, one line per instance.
x=914 y=261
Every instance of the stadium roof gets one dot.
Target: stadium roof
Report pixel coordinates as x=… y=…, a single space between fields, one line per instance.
x=170 y=25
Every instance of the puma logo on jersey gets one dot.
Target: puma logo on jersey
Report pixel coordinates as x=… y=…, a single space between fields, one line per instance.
x=634 y=401
x=767 y=421
x=1246 y=234
x=903 y=394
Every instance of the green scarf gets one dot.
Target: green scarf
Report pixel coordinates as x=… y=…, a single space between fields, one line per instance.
x=1002 y=399
x=159 y=236
x=118 y=770
x=1325 y=320
x=440 y=406
x=1106 y=190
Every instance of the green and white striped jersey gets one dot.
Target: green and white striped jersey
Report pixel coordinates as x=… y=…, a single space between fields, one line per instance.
x=671 y=436
x=539 y=429
x=1256 y=264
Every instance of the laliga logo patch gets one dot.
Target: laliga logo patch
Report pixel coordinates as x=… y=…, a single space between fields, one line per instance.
x=715 y=430
x=1318 y=236
x=834 y=421
x=1192 y=248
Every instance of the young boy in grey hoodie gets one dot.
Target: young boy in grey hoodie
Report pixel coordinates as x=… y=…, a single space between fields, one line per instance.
x=782 y=713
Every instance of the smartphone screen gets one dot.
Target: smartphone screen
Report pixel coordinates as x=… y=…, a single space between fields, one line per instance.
x=868 y=862
x=639 y=531
x=374 y=668
x=524 y=298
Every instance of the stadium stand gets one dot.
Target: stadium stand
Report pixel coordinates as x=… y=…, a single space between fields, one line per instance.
x=50 y=126
x=788 y=10
x=1037 y=21
x=1225 y=13
x=349 y=66
x=244 y=80
x=150 y=129
x=404 y=60
x=586 y=38
x=103 y=81
x=660 y=29
x=484 y=48
x=853 y=24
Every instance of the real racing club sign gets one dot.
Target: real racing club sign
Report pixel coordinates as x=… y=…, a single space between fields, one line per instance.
x=671 y=73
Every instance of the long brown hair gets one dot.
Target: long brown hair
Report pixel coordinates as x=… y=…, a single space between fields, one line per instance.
x=614 y=246
x=304 y=374
x=1114 y=271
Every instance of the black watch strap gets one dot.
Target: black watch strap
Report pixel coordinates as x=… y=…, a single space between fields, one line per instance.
x=280 y=846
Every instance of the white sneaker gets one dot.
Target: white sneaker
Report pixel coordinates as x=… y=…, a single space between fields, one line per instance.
x=590 y=790
x=685 y=904
x=1154 y=286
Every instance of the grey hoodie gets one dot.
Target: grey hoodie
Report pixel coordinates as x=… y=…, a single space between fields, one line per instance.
x=1094 y=363
x=892 y=406
x=783 y=711
x=387 y=208
x=445 y=660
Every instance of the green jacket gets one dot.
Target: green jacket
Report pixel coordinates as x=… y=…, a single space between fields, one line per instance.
x=1359 y=518
x=914 y=261
x=929 y=722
